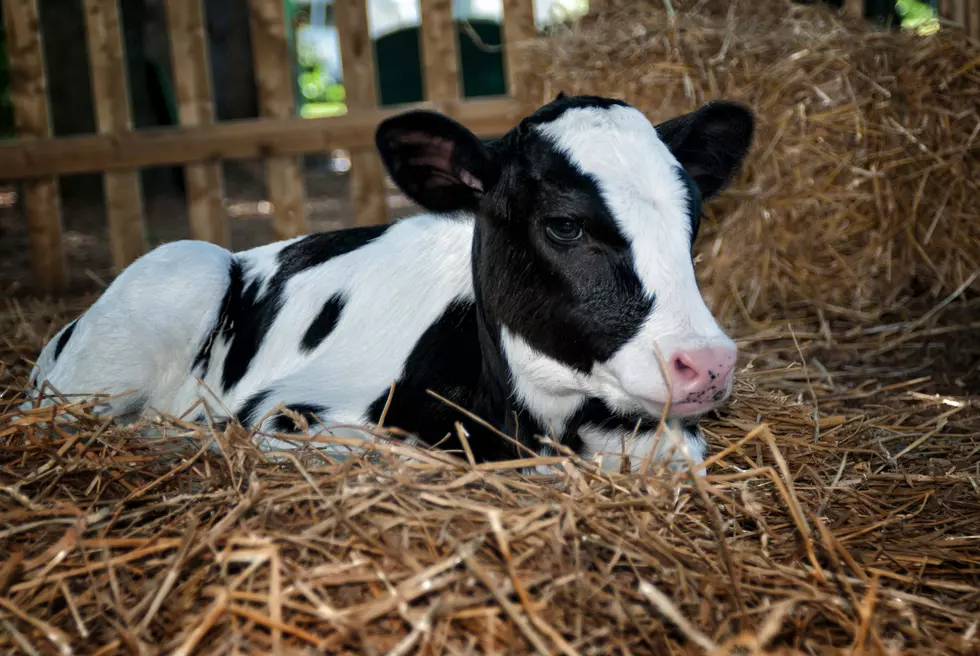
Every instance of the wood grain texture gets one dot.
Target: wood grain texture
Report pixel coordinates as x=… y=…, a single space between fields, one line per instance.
x=854 y=8
x=274 y=81
x=440 y=58
x=28 y=90
x=519 y=28
x=107 y=64
x=367 y=176
x=204 y=181
x=246 y=139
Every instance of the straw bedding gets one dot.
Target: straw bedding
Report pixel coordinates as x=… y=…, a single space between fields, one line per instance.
x=865 y=172
x=841 y=513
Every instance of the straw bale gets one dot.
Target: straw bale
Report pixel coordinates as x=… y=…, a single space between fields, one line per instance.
x=861 y=188
x=839 y=515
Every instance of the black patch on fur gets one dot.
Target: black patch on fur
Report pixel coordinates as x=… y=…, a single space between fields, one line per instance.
x=577 y=303
x=246 y=414
x=282 y=423
x=248 y=317
x=448 y=360
x=561 y=104
x=693 y=200
x=63 y=340
x=598 y=414
x=323 y=324
x=710 y=142
x=202 y=361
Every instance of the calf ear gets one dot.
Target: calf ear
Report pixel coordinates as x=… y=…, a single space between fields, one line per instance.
x=435 y=161
x=710 y=142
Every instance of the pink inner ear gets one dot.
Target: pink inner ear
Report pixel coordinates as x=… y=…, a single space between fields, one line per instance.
x=438 y=154
x=434 y=152
x=470 y=180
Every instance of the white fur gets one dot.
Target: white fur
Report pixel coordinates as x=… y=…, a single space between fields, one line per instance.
x=144 y=332
x=610 y=445
x=636 y=173
x=395 y=288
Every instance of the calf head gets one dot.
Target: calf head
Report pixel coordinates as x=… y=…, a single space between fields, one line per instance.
x=582 y=255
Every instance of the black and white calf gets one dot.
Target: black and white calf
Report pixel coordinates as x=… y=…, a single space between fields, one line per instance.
x=552 y=266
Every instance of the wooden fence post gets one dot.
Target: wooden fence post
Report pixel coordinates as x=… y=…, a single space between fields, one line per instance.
x=439 y=52
x=42 y=204
x=518 y=27
x=123 y=197
x=367 y=181
x=854 y=8
x=204 y=181
x=274 y=80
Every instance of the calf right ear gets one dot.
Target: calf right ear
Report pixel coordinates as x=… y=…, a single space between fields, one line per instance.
x=435 y=161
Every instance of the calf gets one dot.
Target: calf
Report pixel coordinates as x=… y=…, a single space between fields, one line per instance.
x=549 y=290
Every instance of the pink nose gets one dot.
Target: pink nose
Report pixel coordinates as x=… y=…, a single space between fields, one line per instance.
x=702 y=376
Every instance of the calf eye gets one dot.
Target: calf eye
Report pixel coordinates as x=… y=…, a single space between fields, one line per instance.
x=563 y=230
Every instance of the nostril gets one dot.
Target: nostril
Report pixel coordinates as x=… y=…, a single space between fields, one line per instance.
x=684 y=368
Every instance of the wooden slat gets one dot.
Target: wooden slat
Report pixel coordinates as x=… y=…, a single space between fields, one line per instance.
x=854 y=8
x=274 y=81
x=28 y=90
x=439 y=52
x=107 y=63
x=519 y=28
x=367 y=179
x=247 y=139
x=204 y=181
x=961 y=13
x=974 y=20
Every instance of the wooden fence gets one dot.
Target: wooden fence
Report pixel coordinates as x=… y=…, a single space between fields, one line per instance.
x=199 y=143
x=965 y=13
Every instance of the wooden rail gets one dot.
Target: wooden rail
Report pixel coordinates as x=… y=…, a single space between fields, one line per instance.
x=195 y=107
x=246 y=139
x=367 y=182
x=107 y=63
x=279 y=137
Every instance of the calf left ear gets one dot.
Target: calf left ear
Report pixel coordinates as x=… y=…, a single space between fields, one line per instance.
x=710 y=143
x=435 y=161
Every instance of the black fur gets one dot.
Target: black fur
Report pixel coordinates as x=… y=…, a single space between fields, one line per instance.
x=63 y=340
x=323 y=324
x=448 y=361
x=710 y=143
x=282 y=423
x=246 y=414
x=202 y=361
x=247 y=316
x=587 y=299
x=694 y=202
x=577 y=301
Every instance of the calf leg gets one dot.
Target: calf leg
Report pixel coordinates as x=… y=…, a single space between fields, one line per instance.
x=140 y=338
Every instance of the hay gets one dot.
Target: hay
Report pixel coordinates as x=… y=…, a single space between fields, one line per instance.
x=861 y=188
x=840 y=512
